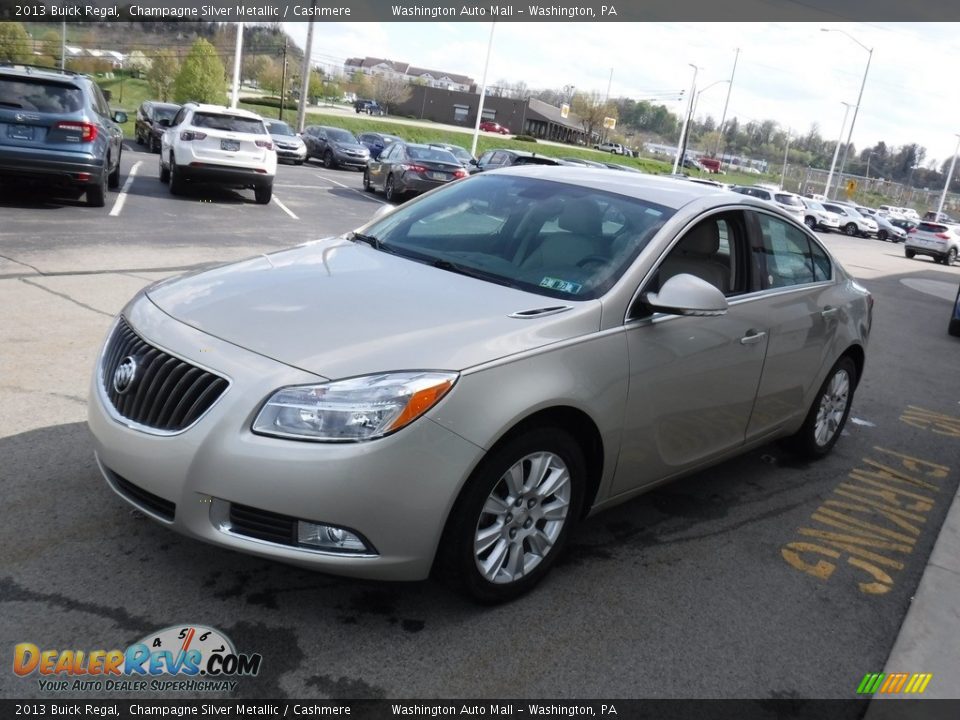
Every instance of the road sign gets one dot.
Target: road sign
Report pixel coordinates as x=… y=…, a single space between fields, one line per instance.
x=851 y=187
x=564 y=110
x=610 y=123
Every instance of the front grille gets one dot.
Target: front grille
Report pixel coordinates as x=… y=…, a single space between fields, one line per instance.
x=263 y=525
x=166 y=393
x=146 y=500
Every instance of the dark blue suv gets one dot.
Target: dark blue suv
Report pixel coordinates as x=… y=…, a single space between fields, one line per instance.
x=56 y=127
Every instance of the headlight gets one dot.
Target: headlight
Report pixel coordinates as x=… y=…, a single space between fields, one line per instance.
x=361 y=408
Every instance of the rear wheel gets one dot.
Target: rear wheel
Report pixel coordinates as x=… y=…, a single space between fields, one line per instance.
x=390 y=190
x=263 y=194
x=176 y=177
x=909 y=253
x=514 y=516
x=810 y=222
x=829 y=412
x=164 y=172
x=97 y=194
x=366 y=182
x=113 y=180
x=850 y=229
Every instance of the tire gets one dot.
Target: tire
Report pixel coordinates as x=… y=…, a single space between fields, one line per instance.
x=366 y=182
x=882 y=235
x=113 y=179
x=810 y=222
x=263 y=194
x=139 y=138
x=153 y=145
x=950 y=258
x=521 y=545
x=328 y=161
x=850 y=229
x=164 y=172
x=828 y=413
x=176 y=178
x=97 y=194
x=390 y=190
x=909 y=253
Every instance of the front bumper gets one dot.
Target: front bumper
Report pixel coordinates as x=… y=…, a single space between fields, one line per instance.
x=299 y=153
x=396 y=491
x=359 y=161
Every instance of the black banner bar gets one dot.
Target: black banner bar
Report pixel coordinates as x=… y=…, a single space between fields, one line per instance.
x=890 y=709
x=480 y=11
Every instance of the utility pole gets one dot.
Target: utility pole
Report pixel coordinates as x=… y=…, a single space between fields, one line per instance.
x=305 y=77
x=682 y=145
x=483 y=93
x=783 y=175
x=63 y=46
x=723 y=118
x=237 y=59
x=283 y=79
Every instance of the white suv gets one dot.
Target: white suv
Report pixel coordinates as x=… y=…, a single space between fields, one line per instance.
x=615 y=148
x=851 y=222
x=220 y=145
x=938 y=240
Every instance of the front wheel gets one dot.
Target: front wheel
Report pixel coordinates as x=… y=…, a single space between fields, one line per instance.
x=164 y=172
x=882 y=235
x=850 y=229
x=514 y=516
x=828 y=414
x=951 y=257
x=328 y=159
x=810 y=222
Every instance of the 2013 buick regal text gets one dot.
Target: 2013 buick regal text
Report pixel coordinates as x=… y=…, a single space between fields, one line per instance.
x=557 y=340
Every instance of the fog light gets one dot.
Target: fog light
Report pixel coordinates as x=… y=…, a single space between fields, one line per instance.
x=329 y=537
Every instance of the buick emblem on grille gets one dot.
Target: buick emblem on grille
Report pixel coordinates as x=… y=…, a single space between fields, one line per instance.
x=125 y=374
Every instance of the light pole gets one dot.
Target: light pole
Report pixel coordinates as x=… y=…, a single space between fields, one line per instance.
x=783 y=174
x=686 y=119
x=856 y=108
x=836 y=151
x=943 y=195
x=723 y=118
x=483 y=92
x=700 y=92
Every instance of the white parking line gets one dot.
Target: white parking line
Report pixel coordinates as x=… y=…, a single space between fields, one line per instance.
x=122 y=197
x=362 y=193
x=285 y=208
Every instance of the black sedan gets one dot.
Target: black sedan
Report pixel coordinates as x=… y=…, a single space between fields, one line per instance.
x=147 y=128
x=409 y=169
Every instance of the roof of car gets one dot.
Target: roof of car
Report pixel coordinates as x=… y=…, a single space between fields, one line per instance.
x=41 y=70
x=669 y=192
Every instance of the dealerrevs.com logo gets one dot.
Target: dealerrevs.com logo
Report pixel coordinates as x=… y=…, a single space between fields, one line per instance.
x=188 y=658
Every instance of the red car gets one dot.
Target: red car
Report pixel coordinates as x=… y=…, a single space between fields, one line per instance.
x=490 y=126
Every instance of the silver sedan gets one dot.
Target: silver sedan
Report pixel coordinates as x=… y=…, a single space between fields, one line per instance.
x=455 y=385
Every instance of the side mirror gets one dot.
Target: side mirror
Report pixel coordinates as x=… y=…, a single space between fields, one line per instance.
x=688 y=295
x=163 y=122
x=381 y=211
x=119 y=117
x=474 y=161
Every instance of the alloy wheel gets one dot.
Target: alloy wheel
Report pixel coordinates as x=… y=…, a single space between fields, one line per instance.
x=833 y=406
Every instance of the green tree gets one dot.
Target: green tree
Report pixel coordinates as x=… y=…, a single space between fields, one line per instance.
x=162 y=75
x=15 y=45
x=201 y=77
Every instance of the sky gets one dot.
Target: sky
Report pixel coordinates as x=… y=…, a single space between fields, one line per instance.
x=792 y=73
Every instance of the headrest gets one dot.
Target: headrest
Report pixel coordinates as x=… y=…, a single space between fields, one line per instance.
x=704 y=239
x=580 y=216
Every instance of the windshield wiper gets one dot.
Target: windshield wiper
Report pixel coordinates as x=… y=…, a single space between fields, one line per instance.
x=471 y=272
x=3 y=103
x=369 y=240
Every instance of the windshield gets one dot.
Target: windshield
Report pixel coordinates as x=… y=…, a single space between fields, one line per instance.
x=342 y=136
x=275 y=127
x=791 y=200
x=231 y=123
x=428 y=153
x=546 y=237
x=164 y=113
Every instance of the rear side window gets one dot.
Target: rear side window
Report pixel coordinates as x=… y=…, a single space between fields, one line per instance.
x=230 y=123
x=787 y=258
x=39 y=95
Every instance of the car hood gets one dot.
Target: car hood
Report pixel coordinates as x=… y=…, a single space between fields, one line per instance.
x=337 y=309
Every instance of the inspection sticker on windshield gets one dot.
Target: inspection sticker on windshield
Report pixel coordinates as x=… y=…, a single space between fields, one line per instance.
x=561 y=285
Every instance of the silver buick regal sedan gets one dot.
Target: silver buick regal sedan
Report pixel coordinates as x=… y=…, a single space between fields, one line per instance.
x=453 y=386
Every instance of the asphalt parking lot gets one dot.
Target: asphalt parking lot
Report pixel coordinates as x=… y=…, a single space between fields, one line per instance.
x=719 y=585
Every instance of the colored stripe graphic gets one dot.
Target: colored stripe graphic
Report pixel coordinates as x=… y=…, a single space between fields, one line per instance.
x=913 y=683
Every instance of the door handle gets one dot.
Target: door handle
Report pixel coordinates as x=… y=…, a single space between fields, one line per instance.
x=829 y=312
x=752 y=337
